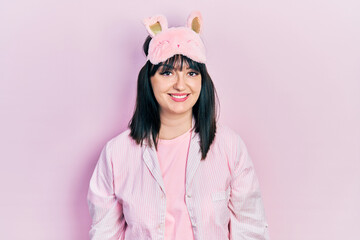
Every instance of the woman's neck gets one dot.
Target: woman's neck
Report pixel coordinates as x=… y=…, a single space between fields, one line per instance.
x=174 y=126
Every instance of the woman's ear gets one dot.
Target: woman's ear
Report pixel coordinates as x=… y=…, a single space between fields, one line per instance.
x=155 y=24
x=195 y=21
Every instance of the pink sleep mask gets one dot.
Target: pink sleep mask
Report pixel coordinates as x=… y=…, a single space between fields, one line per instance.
x=166 y=42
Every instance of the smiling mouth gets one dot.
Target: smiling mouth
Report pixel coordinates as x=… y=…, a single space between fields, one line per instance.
x=179 y=96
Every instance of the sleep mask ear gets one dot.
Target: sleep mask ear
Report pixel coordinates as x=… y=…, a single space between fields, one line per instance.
x=155 y=24
x=195 y=21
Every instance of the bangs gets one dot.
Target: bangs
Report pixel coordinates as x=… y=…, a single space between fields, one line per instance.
x=176 y=62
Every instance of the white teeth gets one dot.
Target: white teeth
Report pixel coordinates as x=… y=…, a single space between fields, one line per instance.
x=182 y=96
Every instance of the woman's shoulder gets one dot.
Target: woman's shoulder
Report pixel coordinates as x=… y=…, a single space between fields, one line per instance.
x=225 y=132
x=230 y=143
x=228 y=138
x=122 y=140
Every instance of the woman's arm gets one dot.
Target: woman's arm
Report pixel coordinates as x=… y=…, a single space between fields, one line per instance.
x=108 y=221
x=247 y=220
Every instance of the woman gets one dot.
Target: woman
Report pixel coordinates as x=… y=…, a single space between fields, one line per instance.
x=175 y=173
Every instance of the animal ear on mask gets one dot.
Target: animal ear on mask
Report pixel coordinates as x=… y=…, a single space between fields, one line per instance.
x=155 y=24
x=195 y=21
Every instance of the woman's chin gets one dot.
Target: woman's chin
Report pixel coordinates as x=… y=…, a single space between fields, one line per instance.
x=177 y=111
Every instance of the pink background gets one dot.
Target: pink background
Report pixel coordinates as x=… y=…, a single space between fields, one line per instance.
x=287 y=75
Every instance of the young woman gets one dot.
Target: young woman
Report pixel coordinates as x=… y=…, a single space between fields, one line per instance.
x=175 y=173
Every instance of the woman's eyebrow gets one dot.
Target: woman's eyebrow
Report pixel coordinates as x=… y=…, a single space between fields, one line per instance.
x=167 y=66
x=190 y=68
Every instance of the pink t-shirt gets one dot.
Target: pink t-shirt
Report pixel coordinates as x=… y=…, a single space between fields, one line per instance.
x=172 y=155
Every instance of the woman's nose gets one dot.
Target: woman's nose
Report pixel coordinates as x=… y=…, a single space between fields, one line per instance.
x=180 y=82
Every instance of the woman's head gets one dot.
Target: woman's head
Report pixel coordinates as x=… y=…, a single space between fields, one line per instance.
x=157 y=86
x=176 y=84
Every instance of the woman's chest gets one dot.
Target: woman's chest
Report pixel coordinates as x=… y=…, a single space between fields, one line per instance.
x=141 y=192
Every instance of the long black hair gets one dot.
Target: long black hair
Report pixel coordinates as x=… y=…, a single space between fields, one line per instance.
x=145 y=123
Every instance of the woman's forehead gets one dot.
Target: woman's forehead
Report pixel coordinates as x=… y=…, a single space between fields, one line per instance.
x=177 y=63
x=176 y=66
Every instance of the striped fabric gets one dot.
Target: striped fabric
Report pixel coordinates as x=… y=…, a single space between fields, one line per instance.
x=127 y=199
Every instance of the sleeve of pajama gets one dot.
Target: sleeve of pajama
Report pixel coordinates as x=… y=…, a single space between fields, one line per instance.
x=247 y=220
x=108 y=221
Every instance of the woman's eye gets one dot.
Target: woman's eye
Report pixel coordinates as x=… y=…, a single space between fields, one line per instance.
x=193 y=74
x=166 y=73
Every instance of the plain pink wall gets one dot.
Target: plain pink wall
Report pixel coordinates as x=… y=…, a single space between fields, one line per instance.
x=287 y=75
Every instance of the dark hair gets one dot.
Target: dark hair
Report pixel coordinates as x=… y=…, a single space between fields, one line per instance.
x=145 y=123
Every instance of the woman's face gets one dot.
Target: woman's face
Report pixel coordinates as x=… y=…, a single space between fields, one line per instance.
x=175 y=89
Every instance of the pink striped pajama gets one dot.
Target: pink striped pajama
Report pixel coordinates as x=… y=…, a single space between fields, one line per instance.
x=127 y=198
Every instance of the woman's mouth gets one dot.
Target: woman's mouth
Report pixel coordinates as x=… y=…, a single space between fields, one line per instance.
x=179 y=97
